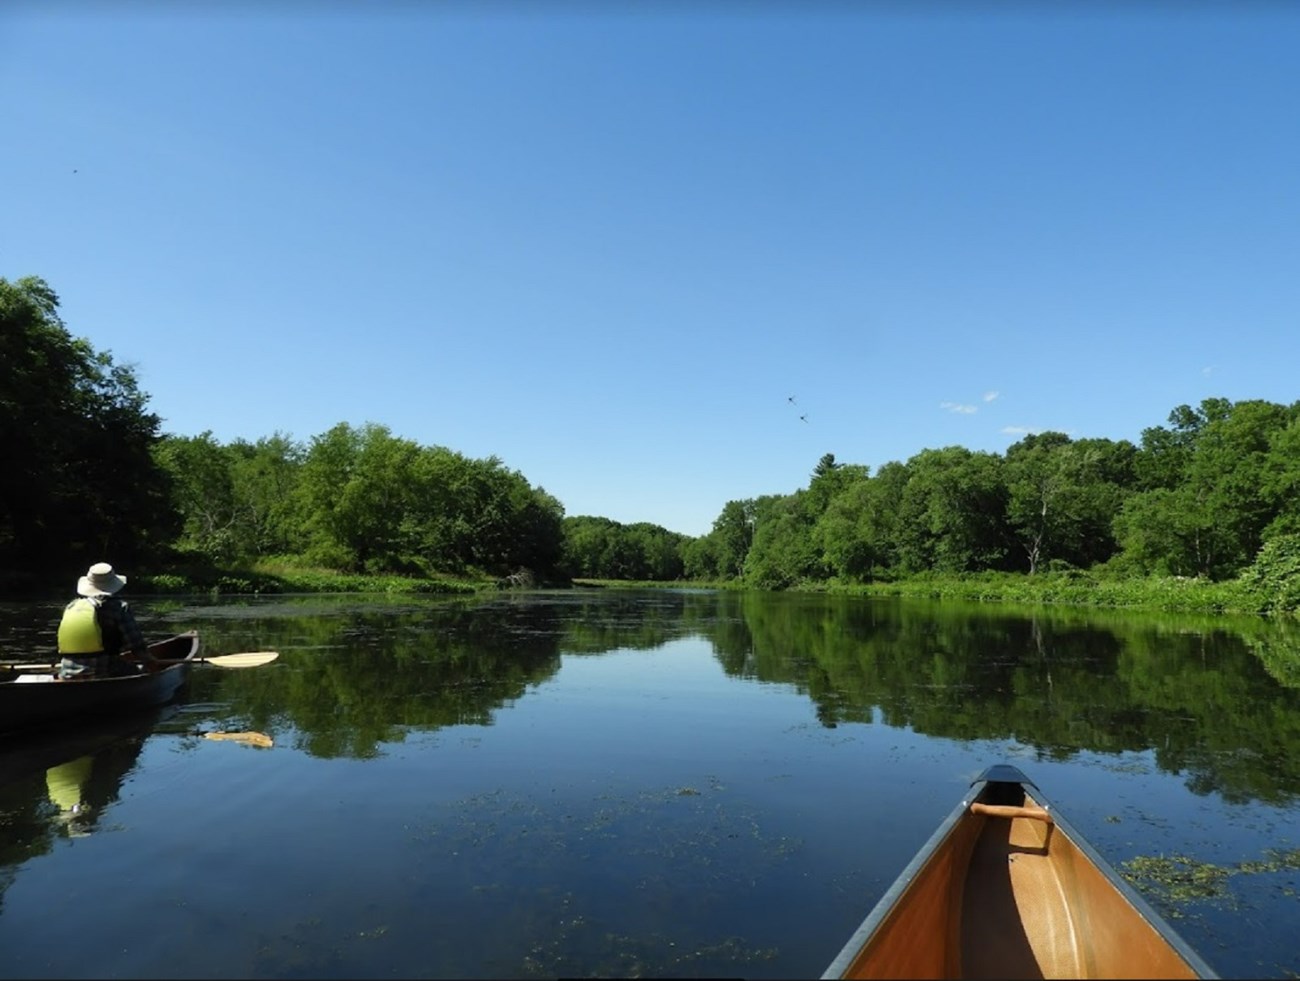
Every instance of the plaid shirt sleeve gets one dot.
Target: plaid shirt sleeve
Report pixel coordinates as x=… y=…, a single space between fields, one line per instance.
x=132 y=639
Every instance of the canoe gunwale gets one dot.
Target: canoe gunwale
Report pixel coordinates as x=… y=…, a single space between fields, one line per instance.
x=1003 y=774
x=1134 y=898
x=29 y=708
x=889 y=901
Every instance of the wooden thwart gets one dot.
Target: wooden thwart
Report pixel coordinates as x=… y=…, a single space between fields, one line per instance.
x=1009 y=811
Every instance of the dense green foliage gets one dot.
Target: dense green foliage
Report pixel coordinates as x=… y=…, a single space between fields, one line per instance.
x=603 y=549
x=91 y=476
x=359 y=500
x=1214 y=496
x=79 y=481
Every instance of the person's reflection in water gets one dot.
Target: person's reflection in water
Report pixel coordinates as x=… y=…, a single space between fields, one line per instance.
x=64 y=784
x=84 y=787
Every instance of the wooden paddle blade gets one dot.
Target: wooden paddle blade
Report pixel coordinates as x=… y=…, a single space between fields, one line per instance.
x=250 y=659
x=258 y=740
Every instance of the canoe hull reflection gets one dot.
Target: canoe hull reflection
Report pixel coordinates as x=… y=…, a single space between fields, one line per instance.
x=1006 y=888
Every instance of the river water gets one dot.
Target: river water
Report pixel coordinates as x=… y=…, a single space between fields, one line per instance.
x=629 y=782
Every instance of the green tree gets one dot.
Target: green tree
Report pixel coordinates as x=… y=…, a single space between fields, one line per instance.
x=585 y=538
x=659 y=549
x=1225 y=479
x=1210 y=516
x=356 y=485
x=477 y=514
x=733 y=535
x=538 y=522
x=1280 y=480
x=203 y=493
x=237 y=502
x=1109 y=478
x=783 y=553
x=1166 y=453
x=599 y=548
x=1155 y=530
x=700 y=559
x=952 y=512
x=857 y=533
x=80 y=482
x=1042 y=472
x=1062 y=496
x=264 y=479
x=829 y=480
x=512 y=525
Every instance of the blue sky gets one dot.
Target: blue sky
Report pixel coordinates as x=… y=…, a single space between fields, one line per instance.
x=608 y=243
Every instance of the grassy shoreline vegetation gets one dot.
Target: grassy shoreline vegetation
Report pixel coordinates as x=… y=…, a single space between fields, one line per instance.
x=1268 y=587
x=281 y=578
x=1170 y=594
x=248 y=582
x=1163 y=594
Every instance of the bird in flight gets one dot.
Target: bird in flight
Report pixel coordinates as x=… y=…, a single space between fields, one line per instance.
x=804 y=418
x=790 y=400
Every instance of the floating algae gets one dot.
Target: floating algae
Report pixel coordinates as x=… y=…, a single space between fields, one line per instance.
x=1176 y=880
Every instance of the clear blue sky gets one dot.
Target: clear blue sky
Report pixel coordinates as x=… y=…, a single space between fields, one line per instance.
x=607 y=243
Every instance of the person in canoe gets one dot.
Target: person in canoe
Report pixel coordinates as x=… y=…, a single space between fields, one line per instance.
x=98 y=635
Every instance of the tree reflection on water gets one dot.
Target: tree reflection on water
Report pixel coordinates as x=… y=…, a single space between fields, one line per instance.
x=1209 y=698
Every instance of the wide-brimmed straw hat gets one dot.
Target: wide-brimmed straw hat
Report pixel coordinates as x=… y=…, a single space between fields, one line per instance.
x=100 y=580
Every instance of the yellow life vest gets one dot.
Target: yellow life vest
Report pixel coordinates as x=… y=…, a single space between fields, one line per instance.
x=79 y=631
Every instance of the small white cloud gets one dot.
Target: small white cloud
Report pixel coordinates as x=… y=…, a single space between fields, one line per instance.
x=958 y=407
x=1207 y=370
x=990 y=396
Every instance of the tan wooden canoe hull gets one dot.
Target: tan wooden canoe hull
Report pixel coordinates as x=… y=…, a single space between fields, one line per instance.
x=1006 y=888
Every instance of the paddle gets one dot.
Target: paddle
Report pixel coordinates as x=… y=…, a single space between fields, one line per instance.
x=249 y=659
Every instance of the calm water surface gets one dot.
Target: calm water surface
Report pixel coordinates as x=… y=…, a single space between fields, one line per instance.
x=628 y=783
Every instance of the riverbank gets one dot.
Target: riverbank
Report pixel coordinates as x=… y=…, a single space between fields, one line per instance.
x=258 y=582
x=1167 y=594
x=1171 y=594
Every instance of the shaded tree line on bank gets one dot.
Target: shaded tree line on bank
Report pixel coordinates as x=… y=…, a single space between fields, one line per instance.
x=91 y=474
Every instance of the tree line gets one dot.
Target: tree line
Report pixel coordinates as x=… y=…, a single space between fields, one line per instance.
x=91 y=474
x=1199 y=497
